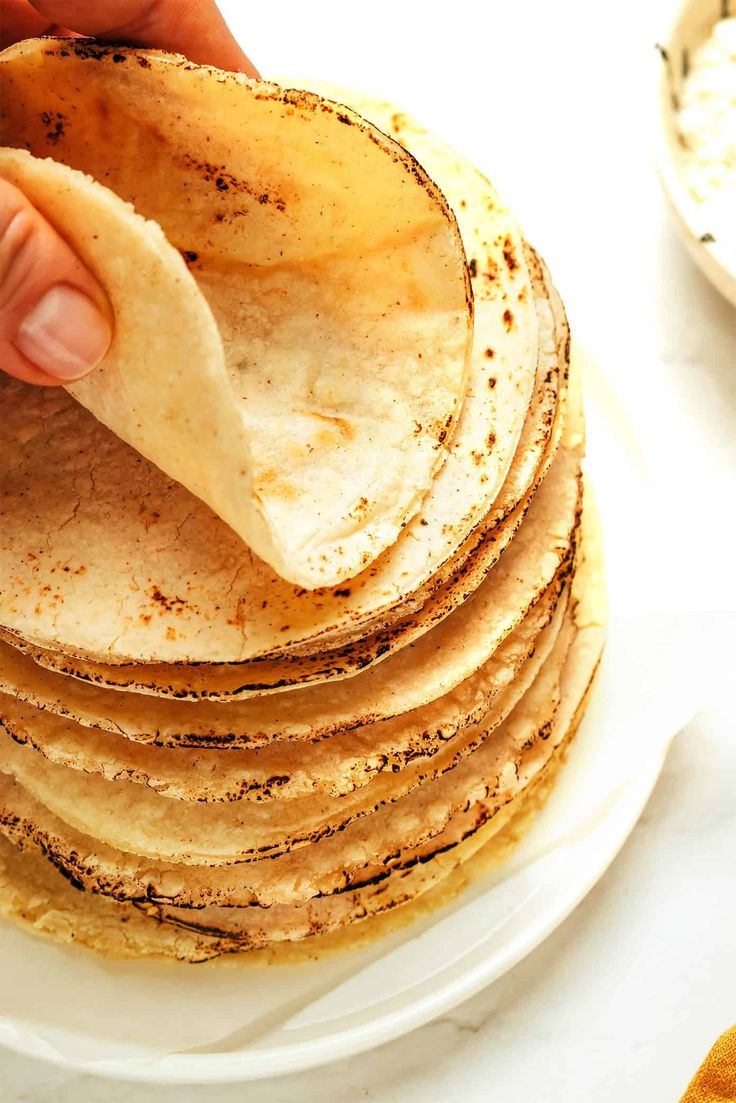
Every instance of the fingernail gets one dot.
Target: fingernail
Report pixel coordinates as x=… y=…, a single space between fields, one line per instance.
x=66 y=334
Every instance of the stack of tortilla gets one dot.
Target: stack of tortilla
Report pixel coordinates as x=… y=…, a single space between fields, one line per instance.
x=300 y=591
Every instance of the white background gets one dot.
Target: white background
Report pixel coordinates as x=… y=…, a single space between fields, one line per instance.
x=555 y=102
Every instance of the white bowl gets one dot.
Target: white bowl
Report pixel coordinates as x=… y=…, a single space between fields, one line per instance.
x=693 y=24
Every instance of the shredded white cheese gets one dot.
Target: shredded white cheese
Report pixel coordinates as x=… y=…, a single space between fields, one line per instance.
x=706 y=121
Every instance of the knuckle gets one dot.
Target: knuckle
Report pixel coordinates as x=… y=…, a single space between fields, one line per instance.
x=12 y=202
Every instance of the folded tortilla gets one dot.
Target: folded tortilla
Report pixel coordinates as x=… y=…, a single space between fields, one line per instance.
x=334 y=320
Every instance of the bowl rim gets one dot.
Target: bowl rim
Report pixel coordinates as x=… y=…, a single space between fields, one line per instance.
x=705 y=249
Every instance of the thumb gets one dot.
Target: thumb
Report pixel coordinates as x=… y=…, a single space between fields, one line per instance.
x=54 y=316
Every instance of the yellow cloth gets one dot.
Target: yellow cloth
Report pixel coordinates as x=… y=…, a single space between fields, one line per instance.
x=715 y=1080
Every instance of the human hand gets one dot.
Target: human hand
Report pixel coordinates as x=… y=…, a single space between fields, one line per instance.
x=55 y=321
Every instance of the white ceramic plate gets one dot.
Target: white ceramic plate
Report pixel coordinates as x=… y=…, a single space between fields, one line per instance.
x=195 y=1025
x=695 y=19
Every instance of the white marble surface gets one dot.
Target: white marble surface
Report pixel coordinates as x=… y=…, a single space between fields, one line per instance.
x=554 y=101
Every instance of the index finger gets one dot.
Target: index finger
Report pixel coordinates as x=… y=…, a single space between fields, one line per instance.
x=19 y=20
x=194 y=28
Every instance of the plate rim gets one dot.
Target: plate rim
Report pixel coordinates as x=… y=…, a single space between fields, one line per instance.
x=285 y=1060
x=712 y=260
